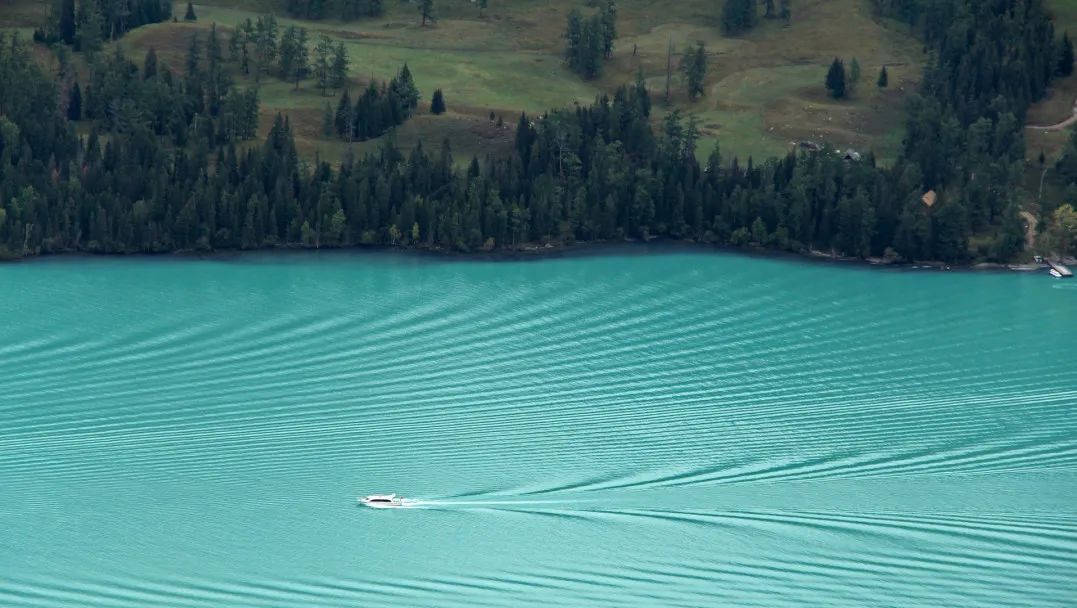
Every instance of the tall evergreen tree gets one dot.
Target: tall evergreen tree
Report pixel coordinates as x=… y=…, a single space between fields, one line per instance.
x=289 y=39
x=854 y=74
x=609 y=27
x=693 y=68
x=835 y=79
x=594 y=37
x=266 y=47
x=884 y=79
x=1065 y=55
x=437 y=102
x=406 y=91
x=786 y=10
x=322 y=66
x=573 y=34
x=338 y=71
x=738 y=15
x=67 y=21
x=149 y=64
x=189 y=15
x=301 y=62
x=328 y=122
x=343 y=119
x=214 y=54
x=90 y=33
x=194 y=55
x=669 y=68
x=74 y=103
x=294 y=56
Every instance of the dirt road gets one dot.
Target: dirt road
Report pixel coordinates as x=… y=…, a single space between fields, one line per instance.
x=1062 y=125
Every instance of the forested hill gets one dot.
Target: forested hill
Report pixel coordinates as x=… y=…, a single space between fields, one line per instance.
x=597 y=172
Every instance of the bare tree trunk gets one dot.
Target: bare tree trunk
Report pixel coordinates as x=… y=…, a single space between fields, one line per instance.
x=669 y=67
x=26 y=238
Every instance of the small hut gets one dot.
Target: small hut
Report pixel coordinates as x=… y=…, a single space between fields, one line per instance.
x=929 y=198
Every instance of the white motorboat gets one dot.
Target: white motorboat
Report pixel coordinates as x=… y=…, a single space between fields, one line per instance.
x=1056 y=274
x=383 y=501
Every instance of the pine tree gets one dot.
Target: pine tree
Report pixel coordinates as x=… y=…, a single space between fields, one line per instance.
x=322 y=66
x=89 y=36
x=288 y=43
x=301 y=61
x=591 y=48
x=786 y=10
x=67 y=21
x=327 y=121
x=426 y=10
x=884 y=79
x=149 y=65
x=1065 y=56
x=214 y=55
x=74 y=103
x=669 y=67
x=339 y=70
x=190 y=16
x=437 y=103
x=609 y=27
x=693 y=68
x=854 y=74
x=738 y=16
x=835 y=79
x=194 y=54
x=573 y=34
x=770 y=14
x=343 y=120
x=406 y=91
x=264 y=35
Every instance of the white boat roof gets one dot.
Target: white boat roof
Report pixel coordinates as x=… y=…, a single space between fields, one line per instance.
x=381 y=497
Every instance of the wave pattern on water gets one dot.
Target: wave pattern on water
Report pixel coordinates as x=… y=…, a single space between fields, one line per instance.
x=685 y=430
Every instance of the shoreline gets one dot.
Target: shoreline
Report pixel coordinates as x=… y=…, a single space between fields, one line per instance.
x=534 y=252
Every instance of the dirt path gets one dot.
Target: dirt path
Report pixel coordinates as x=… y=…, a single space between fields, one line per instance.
x=1030 y=230
x=1062 y=125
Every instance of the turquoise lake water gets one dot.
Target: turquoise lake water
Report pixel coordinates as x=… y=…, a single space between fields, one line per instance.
x=624 y=430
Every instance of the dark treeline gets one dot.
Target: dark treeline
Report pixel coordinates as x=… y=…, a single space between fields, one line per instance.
x=378 y=109
x=597 y=172
x=93 y=21
x=345 y=10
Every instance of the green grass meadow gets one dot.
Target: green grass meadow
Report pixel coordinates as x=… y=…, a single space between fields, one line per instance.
x=764 y=90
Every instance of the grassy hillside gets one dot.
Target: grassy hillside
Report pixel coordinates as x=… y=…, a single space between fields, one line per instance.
x=764 y=89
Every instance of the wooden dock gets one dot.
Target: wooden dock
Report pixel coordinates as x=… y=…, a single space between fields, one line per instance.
x=1060 y=269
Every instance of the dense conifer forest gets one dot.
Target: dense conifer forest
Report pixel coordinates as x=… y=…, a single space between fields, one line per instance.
x=165 y=164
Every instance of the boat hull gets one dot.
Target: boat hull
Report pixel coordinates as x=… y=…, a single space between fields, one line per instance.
x=398 y=503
